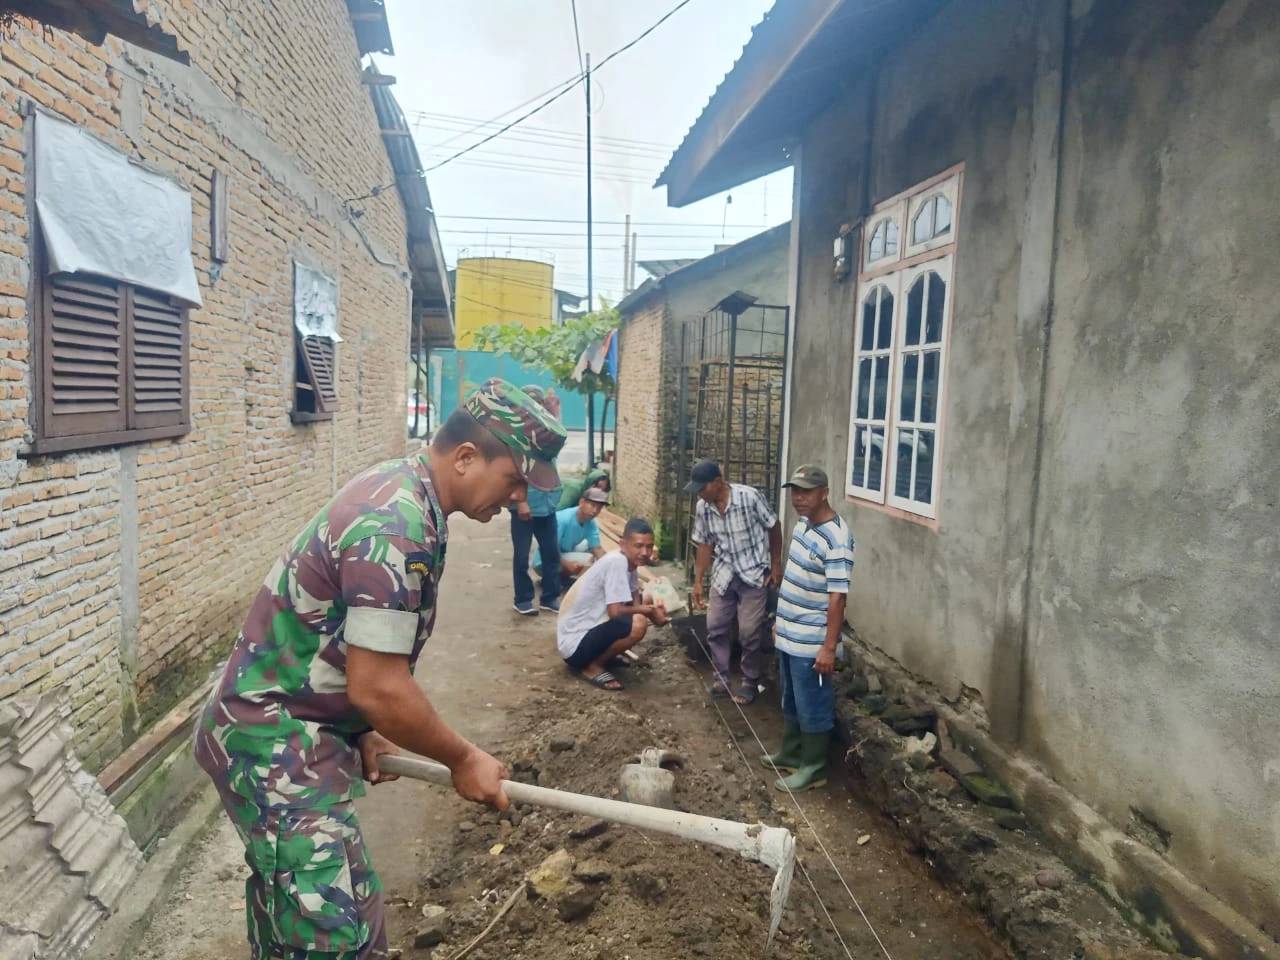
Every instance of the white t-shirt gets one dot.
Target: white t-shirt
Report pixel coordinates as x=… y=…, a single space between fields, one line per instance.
x=610 y=580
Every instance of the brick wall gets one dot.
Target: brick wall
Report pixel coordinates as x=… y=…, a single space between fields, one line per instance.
x=124 y=572
x=648 y=360
x=639 y=410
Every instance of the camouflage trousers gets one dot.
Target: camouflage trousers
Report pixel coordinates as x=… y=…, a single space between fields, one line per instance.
x=312 y=893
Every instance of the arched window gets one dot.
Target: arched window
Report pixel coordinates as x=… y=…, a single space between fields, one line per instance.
x=901 y=334
x=872 y=365
x=884 y=241
x=919 y=372
x=932 y=220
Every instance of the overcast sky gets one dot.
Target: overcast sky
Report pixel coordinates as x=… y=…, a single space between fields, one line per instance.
x=460 y=63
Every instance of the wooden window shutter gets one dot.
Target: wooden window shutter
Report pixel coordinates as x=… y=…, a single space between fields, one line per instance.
x=158 y=352
x=318 y=354
x=83 y=346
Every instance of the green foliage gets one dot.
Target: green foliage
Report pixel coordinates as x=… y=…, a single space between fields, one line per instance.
x=556 y=349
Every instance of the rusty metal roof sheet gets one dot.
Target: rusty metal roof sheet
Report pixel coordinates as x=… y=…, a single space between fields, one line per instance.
x=94 y=19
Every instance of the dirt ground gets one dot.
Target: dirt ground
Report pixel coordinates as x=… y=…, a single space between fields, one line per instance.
x=498 y=678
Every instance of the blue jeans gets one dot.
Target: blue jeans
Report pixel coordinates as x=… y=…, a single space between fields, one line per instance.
x=804 y=702
x=522 y=534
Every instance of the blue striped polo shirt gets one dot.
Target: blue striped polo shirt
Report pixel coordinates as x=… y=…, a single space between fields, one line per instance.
x=820 y=562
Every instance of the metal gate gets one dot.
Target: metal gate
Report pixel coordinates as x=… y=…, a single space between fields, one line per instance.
x=732 y=390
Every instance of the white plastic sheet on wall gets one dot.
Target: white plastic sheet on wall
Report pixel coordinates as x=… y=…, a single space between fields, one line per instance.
x=101 y=214
x=315 y=303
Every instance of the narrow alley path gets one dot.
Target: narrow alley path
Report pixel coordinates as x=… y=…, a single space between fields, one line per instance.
x=499 y=680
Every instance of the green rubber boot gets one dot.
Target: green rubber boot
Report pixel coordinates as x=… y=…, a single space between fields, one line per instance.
x=788 y=758
x=812 y=770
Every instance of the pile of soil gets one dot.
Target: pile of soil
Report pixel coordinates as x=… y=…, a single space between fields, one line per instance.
x=637 y=895
x=624 y=893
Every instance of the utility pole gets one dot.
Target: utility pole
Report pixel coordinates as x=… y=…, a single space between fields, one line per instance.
x=631 y=267
x=591 y=290
x=626 y=256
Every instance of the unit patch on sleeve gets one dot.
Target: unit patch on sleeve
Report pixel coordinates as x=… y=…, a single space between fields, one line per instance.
x=419 y=563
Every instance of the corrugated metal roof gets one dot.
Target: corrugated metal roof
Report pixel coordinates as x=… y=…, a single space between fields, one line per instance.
x=94 y=21
x=660 y=268
x=373 y=33
x=800 y=58
x=431 y=294
x=749 y=50
x=697 y=267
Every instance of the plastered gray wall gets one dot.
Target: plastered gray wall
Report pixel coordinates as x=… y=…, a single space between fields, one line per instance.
x=1104 y=569
x=928 y=597
x=762 y=273
x=1153 y=668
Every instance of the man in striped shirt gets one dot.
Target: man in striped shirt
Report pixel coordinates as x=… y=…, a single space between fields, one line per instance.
x=811 y=605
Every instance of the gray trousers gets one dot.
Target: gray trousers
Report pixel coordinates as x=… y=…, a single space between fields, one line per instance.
x=748 y=605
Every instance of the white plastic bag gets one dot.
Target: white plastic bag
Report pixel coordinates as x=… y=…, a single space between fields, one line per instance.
x=660 y=590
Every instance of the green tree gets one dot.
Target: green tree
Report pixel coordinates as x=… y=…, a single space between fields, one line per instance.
x=556 y=350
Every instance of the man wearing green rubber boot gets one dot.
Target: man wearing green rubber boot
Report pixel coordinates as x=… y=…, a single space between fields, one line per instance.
x=811 y=605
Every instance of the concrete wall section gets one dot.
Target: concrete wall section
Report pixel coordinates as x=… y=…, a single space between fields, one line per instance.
x=1153 y=661
x=959 y=92
x=763 y=274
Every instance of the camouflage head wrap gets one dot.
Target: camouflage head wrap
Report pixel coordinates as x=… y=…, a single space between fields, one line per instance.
x=524 y=425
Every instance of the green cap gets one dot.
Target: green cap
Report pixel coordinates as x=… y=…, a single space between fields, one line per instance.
x=808 y=476
x=534 y=435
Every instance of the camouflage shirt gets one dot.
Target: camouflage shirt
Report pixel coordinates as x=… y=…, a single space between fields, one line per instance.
x=279 y=729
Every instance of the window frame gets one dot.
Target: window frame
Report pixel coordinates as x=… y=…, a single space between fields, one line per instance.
x=305 y=380
x=949 y=188
x=47 y=440
x=898 y=274
x=944 y=267
x=894 y=216
x=890 y=284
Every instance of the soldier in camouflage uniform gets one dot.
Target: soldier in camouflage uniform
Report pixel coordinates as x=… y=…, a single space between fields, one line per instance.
x=319 y=683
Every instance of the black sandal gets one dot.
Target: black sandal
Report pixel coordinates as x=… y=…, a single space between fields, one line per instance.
x=604 y=680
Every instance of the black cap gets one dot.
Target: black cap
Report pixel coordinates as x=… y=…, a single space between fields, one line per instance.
x=704 y=471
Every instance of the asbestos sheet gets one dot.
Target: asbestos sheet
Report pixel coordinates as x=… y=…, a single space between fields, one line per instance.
x=102 y=214
x=315 y=303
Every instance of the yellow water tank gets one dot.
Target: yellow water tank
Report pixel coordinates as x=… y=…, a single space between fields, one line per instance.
x=501 y=290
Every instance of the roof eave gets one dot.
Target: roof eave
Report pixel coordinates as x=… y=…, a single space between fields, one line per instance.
x=775 y=44
x=373 y=32
x=432 y=297
x=116 y=17
x=629 y=305
x=721 y=258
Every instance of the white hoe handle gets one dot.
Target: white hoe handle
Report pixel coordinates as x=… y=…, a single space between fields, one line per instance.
x=773 y=846
x=753 y=841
